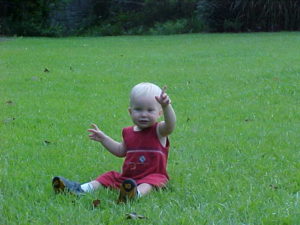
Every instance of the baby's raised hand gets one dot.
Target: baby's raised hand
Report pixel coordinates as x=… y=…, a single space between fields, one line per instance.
x=96 y=133
x=163 y=99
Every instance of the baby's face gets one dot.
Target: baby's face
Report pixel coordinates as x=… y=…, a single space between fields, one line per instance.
x=144 y=111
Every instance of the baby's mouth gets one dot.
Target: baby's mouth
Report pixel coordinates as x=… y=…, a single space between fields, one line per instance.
x=143 y=121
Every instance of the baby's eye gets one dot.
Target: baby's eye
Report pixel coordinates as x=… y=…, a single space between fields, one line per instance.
x=150 y=110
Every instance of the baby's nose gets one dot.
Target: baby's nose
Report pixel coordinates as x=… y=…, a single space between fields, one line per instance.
x=144 y=113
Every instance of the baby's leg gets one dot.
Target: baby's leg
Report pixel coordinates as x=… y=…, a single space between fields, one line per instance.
x=91 y=186
x=96 y=184
x=144 y=189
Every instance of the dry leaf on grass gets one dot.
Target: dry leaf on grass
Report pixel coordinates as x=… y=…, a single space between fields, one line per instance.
x=47 y=142
x=134 y=216
x=96 y=203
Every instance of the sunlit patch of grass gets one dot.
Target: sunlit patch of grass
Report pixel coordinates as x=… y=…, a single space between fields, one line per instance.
x=234 y=156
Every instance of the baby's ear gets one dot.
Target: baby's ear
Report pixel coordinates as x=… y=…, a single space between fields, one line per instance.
x=160 y=112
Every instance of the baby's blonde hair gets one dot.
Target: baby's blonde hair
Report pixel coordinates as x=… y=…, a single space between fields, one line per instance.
x=144 y=89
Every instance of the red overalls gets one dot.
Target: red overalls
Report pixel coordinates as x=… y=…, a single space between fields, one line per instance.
x=145 y=160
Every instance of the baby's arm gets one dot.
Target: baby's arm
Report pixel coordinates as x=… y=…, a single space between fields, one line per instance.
x=166 y=127
x=114 y=147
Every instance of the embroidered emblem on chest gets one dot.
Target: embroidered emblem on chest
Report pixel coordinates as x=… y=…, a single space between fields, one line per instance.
x=142 y=159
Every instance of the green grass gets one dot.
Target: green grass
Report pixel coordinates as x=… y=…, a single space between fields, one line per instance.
x=234 y=156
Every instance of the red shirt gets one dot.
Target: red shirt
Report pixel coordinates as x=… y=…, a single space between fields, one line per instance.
x=145 y=155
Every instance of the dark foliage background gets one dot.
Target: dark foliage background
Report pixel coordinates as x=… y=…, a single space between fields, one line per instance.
x=119 y=17
x=250 y=15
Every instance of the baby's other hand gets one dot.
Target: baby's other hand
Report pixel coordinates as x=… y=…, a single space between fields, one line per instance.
x=163 y=99
x=96 y=133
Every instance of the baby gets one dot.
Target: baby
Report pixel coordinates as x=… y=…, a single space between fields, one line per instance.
x=145 y=146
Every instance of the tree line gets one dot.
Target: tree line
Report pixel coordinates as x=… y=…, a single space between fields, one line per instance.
x=134 y=17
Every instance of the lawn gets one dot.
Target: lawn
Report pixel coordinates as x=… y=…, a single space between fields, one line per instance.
x=235 y=153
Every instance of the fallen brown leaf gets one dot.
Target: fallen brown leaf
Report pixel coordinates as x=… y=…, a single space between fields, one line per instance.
x=96 y=203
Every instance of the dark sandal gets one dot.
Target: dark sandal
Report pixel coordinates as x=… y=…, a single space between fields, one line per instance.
x=128 y=191
x=61 y=185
